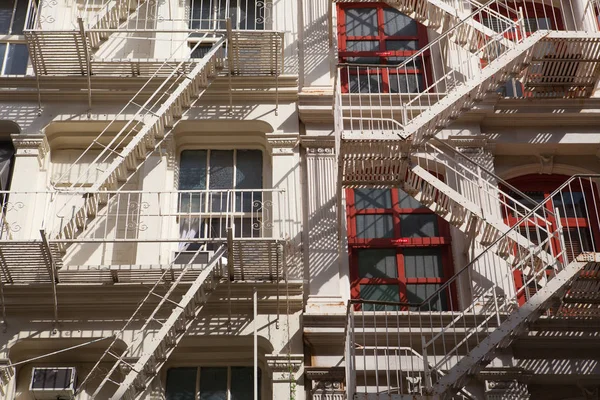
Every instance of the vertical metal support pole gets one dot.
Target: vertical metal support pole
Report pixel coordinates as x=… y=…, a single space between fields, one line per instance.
x=426 y=371
x=87 y=63
x=4 y=323
x=255 y=301
x=229 y=63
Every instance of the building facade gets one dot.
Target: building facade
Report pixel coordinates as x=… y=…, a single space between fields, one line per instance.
x=311 y=199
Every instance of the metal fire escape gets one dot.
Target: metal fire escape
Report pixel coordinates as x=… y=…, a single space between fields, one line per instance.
x=171 y=87
x=385 y=137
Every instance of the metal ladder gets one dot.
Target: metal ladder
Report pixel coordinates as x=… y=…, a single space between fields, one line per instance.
x=156 y=352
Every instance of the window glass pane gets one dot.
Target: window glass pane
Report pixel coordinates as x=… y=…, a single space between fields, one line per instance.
x=518 y=210
x=402 y=45
x=248 y=175
x=377 y=263
x=20 y=15
x=213 y=383
x=418 y=225
x=417 y=293
x=381 y=293
x=221 y=169
x=192 y=170
x=199 y=51
x=363 y=45
x=570 y=204
x=406 y=83
x=372 y=198
x=201 y=14
x=496 y=24
x=366 y=83
x=398 y=24
x=6 y=12
x=535 y=24
x=242 y=383
x=423 y=262
x=2 y=53
x=249 y=169
x=253 y=14
x=181 y=384
x=16 y=61
x=374 y=226
x=407 y=201
x=361 y=22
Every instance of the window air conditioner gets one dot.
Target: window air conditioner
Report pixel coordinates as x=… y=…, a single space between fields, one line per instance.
x=54 y=383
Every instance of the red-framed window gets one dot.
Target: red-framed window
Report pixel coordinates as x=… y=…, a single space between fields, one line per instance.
x=374 y=33
x=399 y=250
x=578 y=215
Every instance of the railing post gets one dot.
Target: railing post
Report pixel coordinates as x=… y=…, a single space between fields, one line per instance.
x=426 y=370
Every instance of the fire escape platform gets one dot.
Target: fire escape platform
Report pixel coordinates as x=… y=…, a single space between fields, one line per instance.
x=28 y=262
x=67 y=53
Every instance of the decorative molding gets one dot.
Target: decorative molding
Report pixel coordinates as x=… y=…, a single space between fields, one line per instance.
x=337 y=374
x=285 y=362
x=282 y=145
x=32 y=146
x=318 y=145
x=546 y=163
x=327 y=382
x=470 y=144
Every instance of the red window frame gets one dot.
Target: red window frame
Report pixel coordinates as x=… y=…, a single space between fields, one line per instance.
x=382 y=53
x=398 y=244
x=547 y=184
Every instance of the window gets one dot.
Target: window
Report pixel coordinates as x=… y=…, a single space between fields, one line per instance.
x=399 y=250
x=577 y=217
x=377 y=34
x=244 y=14
x=211 y=383
x=233 y=179
x=14 y=54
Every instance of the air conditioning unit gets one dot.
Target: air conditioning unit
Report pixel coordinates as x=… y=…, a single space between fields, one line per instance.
x=53 y=383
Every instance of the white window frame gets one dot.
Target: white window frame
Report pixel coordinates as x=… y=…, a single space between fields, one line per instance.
x=11 y=39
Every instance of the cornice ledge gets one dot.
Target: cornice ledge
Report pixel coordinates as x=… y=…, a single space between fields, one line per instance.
x=470 y=143
x=282 y=143
x=32 y=141
x=284 y=362
x=318 y=145
x=328 y=374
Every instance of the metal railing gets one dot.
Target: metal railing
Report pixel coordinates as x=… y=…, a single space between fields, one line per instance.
x=452 y=321
x=205 y=15
x=389 y=99
x=184 y=217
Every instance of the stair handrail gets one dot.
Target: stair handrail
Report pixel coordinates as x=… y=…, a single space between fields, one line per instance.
x=456 y=275
x=489 y=172
x=215 y=47
x=441 y=37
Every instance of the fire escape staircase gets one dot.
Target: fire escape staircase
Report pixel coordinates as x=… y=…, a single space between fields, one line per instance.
x=379 y=149
x=153 y=120
x=151 y=354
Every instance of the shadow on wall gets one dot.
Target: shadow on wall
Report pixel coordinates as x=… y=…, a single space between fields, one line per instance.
x=315 y=55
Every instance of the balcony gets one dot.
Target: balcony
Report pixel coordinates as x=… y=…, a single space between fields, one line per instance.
x=125 y=235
